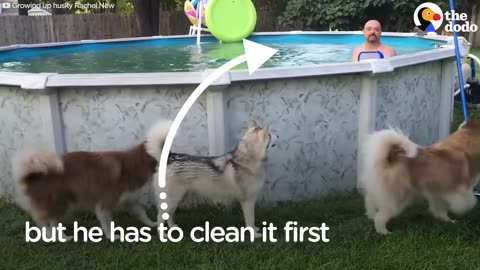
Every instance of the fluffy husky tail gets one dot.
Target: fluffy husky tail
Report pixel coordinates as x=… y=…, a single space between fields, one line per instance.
x=27 y=166
x=383 y=150
x=37 y=161
x=156 y=138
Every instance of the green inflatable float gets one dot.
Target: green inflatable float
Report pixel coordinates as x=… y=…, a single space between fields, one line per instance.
x=230 y=20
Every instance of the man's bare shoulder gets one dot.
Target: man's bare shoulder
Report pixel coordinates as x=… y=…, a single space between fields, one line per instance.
x=355 y=52
x=388 y=51
x=358 y=49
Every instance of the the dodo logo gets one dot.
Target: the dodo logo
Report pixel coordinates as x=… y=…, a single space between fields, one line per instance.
x=428 y=17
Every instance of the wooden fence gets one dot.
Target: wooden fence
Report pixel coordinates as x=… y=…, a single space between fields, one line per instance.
x=58 y=28
x=44 y=29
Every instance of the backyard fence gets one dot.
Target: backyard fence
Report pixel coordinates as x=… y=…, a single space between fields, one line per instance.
x=44 y=29
x=58 y=28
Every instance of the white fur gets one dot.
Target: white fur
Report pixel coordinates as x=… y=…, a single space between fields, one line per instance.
x=35 y=161
x=378 y=203
x=462 y=125
x=132 y=203
x=222 y=188
x=461 y=202
x=156 y=137
x=242 y=184
x=376 y=149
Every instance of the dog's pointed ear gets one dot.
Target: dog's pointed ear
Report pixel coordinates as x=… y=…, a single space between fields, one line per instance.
x=252 y=124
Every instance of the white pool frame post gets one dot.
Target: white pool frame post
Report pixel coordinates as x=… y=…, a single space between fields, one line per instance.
x=52 y=119
x=217 y=136
x=447 y=97
x=366 y=118
x=216 y=125
x=50 y=110
x=368 y=109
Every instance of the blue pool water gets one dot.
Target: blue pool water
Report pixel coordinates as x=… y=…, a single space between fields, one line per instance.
x=182 y=53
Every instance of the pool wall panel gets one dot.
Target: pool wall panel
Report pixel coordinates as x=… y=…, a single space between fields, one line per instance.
x=104 y=118
x=320 y=121
x=21 y=126
x=316 y=121
x=409 y=99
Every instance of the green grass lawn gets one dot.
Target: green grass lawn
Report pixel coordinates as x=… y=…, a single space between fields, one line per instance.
x=476 y=52
x=458 y=115
x=418 y=242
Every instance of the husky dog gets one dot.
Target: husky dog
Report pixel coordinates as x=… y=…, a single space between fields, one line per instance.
x=236 y=176
x=50 y=184
x=398 y=170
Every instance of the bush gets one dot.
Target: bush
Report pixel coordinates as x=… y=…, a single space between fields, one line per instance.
x=322 y=14
x=344 y=15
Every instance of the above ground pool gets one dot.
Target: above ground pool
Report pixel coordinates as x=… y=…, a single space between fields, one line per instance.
x=182 y=54
x=104 y=95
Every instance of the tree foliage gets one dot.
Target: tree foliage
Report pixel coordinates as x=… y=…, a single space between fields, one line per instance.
x=395 y=15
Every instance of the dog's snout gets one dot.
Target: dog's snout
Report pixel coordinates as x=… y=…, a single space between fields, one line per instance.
x=272 y=142
x=274 y=138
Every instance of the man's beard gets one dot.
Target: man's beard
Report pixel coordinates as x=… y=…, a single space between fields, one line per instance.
x=372 y=38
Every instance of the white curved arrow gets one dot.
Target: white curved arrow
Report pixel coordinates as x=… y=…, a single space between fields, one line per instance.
x=255 y=55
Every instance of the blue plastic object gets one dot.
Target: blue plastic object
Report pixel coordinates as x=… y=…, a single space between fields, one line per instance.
x=459 y=65
x=472 y=66
x=370 y=55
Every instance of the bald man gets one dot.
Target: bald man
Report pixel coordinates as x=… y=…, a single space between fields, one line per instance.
x=372 y=31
